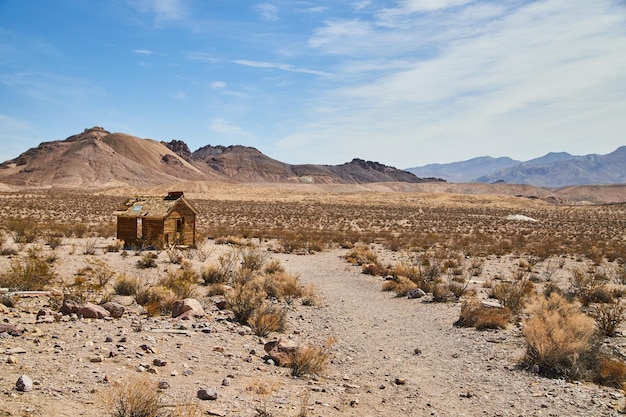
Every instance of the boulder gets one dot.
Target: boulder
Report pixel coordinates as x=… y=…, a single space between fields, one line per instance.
x=207 y=394
x=24 y=384
x=92 y=311
x=416 y=293
x=70 y=307
x=282 y=353
x=115 y=309
x=12 y=330
x=187 y=309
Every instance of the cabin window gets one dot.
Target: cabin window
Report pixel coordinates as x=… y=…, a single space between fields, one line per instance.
x=180 y=223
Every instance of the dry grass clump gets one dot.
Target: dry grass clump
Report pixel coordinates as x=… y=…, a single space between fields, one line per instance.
x=181 y=282
x=125 y=285
x=147 y=260
x=267 y=319
x=282 y=285
x=513 y=295
x=475 y=314
x=400 y=285
x=27 y=274
x=311 y=359
x=609 y=316
x=135 y=397
x=246 y=298
x=156 y=300
x=273 y=266
x=561 y=341
x=590 y=286
x=361 y=255
x=612 y=373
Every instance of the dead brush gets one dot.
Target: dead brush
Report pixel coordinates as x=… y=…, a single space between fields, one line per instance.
x=361 y=255
x=590 y=287
x=253 y=258
x=311 y=359
x=561 y=341
x=513 y=295
x=125 y=285
x=609 y=316
x=268 y=318
x=147 y=260
x=156 y=300
x=282 y=285
x=273 y=266
x=245 y=299
x=181 y=282
x=135 y=397
x=27 y=274
x=475 y=314
x=612 y=373
x=400 y=285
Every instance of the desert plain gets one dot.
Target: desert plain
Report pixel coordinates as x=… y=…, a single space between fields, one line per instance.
x=339 y=268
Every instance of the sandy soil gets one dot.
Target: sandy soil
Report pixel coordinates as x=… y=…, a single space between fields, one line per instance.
x=392 y=356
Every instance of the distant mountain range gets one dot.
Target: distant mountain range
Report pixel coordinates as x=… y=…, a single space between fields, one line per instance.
x=558 y=169
x=98 y=158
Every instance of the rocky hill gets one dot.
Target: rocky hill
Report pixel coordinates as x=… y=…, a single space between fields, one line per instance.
x=555 y=169
x=98 y=158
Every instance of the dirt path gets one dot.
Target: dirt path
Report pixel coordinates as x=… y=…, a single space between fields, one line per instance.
x=458 y=372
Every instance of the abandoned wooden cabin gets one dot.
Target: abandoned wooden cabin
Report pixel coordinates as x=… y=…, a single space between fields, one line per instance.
x=157 y=221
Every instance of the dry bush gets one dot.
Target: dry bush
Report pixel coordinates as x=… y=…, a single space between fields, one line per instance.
x=212 y=274
x=561 y=341
x=135 y=397
x=608 y=317
x=311 y=359
x=309 y=296
x=361 y=255
x=182 y=282
x=590 y=287
x=246 y=298
x=253 y=258
x=27 y=274
x=156 y=300
x=513 y=295
x=400 y=285
x=474 y=314
x=53 y=240
x=273 y=266
x=89 y=247
x=116 y=246
x=282 y=285
x=99 y=274
x=267 y=319
x=22 y=230
x=125 y=285
x=147 y=260
x=612 y=373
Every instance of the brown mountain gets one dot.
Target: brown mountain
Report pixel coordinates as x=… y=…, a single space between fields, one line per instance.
x=98 y=158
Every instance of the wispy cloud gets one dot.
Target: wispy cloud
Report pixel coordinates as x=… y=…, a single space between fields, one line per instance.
x=267 y=11
x=224 y=127
x=143 y=52
x=280 y=66
x=202 y=57
x=218 y=85
x=162 y=10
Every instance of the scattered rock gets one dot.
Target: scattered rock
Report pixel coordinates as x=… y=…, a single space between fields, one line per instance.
x=207 y=394
x=187 y=309
x=11 y=330
x=226 y=382
x=12 y=360
x=70 y=307
x=400 y=381
x=159 y=362
x=163 y=384
x=96 y=359
x=282 y=353
x=149 y=349
x=92 y=311
x=416 y=293
x=116 y=310
x=24 y=384
x=221 y=304
x=46 y=315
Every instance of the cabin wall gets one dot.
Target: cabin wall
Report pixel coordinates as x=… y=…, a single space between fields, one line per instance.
x=153 y=232
x=127 y=230
x=186 y=235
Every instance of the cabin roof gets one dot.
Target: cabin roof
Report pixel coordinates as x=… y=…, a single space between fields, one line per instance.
x=150 y=206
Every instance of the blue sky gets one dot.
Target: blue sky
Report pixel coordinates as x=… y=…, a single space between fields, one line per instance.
x=404 y=83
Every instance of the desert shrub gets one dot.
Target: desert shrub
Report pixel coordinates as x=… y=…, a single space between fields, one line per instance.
x=475 y=314
x=311 y=359
x=269 y=318
x=441 y=292
x=282 y=285
x=125 y=285
x=182 y=282
x=89 y=247
x=561 y=341
x=53 y=240
x=361 y=255
x=253 y=258
x=245 y=299
x=309 y=296
x=375 y=269
x=513 y=295
x=608 y=317
x=99 y=274
x=212 y=274
x=22 y=230
x=400 y=285
x=135 y=397
x=612 y=373
x=590 y=287
x=27 y=274
x=273 y=266
x=156 y=300
x=147 y=260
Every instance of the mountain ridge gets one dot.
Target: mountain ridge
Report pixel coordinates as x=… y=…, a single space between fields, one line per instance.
x=98 y=158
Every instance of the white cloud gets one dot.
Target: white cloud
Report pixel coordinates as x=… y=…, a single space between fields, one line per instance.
x=267 y=11
x=280 y=66
x=142 y=52
x=224 y=127
x=218 y=85
x=162 y=10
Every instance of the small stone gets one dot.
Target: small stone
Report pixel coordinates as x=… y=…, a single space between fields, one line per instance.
x=159 y=362
x=24 y=384
x=152 y=371
x=115 y=309
x=207 y=394
x=108 y=339
x=400 y=381
x=96 y=359
x=12 y=360
x=226 y=382
x=163 y=384
x=417 y=351
x=174 y=372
